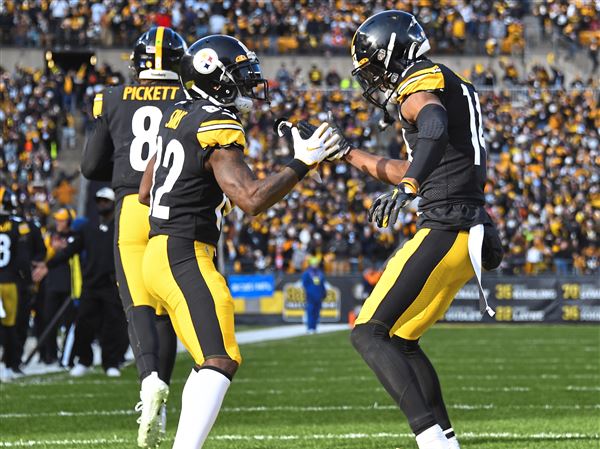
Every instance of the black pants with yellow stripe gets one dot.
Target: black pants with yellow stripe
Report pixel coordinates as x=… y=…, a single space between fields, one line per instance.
x=182 y=275
x=414 y=291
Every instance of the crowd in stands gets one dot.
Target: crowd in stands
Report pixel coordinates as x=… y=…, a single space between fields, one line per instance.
x=308 y=26
x=38 y=111
x=543 y=157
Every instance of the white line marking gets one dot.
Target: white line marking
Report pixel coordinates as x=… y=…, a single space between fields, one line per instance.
x=326 y=436
x=330 y=408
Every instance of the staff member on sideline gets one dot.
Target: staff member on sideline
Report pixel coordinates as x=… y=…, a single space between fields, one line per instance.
x=313 y=281
x=100 y=308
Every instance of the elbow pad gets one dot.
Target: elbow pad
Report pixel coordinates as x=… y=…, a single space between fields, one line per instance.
x=432 y=126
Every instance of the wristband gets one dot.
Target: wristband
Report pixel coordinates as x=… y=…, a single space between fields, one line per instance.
x=299 y=167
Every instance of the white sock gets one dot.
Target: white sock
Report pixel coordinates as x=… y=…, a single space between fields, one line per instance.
x=432 y=438
x=452 y=440
x=201 y=401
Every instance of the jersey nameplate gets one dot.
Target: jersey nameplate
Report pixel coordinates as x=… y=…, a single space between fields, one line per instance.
x=176 y=118
x=150 y=93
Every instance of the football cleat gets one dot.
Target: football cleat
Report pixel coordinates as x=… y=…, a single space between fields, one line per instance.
x=153 y=395
x=79 y=370
x=113 y=372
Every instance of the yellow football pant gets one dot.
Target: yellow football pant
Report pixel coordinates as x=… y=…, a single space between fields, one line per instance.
x=131 y=237
x=10 y=301
x=181 y=273
x=419 y=283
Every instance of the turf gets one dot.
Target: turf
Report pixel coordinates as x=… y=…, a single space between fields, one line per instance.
x=519 y=387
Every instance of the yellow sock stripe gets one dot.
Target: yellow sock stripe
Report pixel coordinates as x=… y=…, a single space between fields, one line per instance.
x=160 y=32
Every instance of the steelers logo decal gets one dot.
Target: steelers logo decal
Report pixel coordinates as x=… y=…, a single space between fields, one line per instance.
x=205 y=61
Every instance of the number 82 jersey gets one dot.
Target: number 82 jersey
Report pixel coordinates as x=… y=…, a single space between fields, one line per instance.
x=124 y=137
x=186 y=201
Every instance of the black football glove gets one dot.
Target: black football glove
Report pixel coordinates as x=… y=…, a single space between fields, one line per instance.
x=308 y=130
x=385 y=209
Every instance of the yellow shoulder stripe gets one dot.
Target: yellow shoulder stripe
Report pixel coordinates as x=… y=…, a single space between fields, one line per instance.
x=97 y=108
x=220 y=122
x=423 y=80
x=220 y=137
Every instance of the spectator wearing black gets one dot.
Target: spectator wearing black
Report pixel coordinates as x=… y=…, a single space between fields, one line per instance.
x=61 y=282
x=100 y=309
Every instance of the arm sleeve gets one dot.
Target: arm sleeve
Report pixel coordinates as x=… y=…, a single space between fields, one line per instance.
x=432 y=139
x=96 y=161
x=38 y=247
x=74 y=247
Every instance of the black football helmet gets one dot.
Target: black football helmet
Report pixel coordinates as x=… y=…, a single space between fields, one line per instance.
x=222 y=70
x=383 y=47
x=8 y=201
x=157 y=54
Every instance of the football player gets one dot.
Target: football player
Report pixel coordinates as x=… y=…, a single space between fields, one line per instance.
x=443 y=132
x=198 y=172
x=123 y=140
x=13 y=262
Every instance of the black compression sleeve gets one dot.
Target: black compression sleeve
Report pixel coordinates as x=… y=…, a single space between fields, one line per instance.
x=432 y=124
x=96 y=161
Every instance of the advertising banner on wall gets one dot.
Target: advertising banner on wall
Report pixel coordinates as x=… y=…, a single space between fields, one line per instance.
x=516 y=299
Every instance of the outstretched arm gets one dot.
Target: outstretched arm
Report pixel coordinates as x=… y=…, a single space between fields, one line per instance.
x=241 y=185
x=391 y=171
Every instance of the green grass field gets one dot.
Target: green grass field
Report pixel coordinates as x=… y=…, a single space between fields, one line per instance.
x=517 y=387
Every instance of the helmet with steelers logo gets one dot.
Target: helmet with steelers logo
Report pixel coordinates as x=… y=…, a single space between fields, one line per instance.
x=157 y=54
x=383 y=47
x=222 y=70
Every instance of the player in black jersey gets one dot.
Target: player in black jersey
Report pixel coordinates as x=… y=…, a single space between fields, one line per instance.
x=198 y=173
x=118 y=150
x=13 y=262
x=442 y=128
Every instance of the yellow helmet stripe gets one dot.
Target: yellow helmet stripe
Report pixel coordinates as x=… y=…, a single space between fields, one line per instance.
x=158 y=44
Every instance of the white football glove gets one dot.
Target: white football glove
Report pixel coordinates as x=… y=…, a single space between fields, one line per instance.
x=319 y=146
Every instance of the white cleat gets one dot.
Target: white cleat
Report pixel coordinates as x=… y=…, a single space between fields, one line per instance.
x=79 y=370
x=113 y=372
x=8 y=375
x=153 y=395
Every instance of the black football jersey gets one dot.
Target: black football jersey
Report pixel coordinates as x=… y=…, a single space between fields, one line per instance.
x=459 y=179
x=186 y=200
x=130 y=115
x=13 y=233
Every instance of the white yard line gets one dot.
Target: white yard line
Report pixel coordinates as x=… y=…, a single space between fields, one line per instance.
x=289 y=408
x=315 y=437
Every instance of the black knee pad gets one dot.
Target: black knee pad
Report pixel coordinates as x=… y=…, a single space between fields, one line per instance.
x=363 y=335
x=406 y=346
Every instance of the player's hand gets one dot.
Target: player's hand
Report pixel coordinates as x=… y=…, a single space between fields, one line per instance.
x=306 y=129
x=321 y=144
x=39 y=272
x=385 y=209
